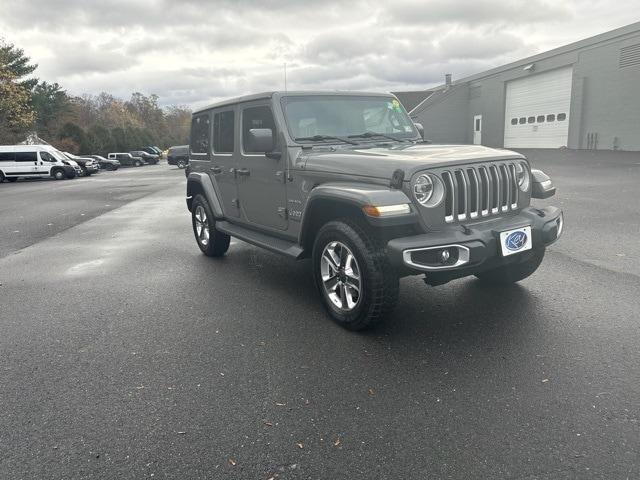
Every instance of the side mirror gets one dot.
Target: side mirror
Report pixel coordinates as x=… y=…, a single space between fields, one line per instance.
x=420 y=129
x=541 y=185
x=260 y=140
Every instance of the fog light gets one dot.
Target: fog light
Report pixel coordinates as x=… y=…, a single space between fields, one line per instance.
x=444 y=256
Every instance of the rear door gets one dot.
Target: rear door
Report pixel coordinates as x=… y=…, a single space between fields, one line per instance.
x=8 y=162
x=261 y=186
x=224 y=160
x=26 y=163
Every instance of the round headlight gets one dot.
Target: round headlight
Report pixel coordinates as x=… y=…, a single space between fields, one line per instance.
x=428 y=190
x=423 y=189
x=522 y=175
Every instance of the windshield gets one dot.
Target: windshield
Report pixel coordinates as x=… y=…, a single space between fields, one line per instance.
x=57 y=154
x=346 y=116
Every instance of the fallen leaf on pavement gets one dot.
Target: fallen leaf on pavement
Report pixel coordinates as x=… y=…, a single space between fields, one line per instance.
x=372 y=392
x=268 y=424
x=300 y=446
x=232 y=462
x=336 y=443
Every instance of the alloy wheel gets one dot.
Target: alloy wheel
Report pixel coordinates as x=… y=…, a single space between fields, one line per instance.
x=340 y=275
x=202 y=225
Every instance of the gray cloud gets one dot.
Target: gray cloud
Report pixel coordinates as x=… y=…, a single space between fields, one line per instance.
x=197 y=51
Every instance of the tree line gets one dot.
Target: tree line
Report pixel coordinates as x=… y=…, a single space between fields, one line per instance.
x=87 y=124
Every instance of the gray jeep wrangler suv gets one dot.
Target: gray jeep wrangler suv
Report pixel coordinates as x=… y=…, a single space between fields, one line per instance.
x=346 y=180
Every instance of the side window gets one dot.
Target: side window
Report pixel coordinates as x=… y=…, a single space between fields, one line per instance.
x=200 y=134
x=223 y=132
x=46 y=157
x=551 y=118
x=531 y=119
x=540 y=119
x=7 y=156
x=255 y=117
x=514 y=121
x=522 y=120
x=26 y=157
x=562 y=117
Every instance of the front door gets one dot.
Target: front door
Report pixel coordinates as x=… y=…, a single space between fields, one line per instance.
x=261 y=179
x=43 y=167
x=477 y=130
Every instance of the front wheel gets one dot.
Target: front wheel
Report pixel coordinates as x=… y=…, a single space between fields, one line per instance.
x=351 y=270
x=181 y=164
x=212 y=242
x=138 y=163
x=59 y=174
x=512 y=273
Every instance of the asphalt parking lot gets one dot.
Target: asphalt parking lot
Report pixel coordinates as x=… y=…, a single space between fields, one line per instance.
x=128 y=354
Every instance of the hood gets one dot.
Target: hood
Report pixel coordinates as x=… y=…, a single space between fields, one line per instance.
x=381 y=162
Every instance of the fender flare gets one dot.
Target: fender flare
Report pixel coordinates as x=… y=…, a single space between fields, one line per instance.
x=360 y=194
x=206 y=186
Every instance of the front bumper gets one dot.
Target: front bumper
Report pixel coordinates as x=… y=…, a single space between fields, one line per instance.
x=476 y=247
x=70 y=171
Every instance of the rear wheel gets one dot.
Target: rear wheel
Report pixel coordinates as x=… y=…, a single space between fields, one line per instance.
x=357 y=284
x=138 y=163
x=181 y=164
x=514 y=272
x=211 y=242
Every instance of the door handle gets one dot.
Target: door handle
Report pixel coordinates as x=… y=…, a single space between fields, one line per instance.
x=243 y=172
x=216 y=170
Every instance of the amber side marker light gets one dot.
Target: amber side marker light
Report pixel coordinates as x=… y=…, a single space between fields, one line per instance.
x=387 y=210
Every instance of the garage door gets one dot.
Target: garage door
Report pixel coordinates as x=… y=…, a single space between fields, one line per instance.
x=537 y=110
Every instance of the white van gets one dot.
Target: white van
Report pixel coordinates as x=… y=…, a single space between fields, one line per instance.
x=33 y=161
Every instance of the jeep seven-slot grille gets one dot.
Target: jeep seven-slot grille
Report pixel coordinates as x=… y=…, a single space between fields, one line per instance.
x=479 y=191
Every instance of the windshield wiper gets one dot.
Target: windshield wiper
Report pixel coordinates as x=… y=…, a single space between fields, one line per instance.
x=319 y=138
x=374 y=134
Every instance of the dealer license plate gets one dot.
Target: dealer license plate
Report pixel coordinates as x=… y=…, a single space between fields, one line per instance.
x=515 y=241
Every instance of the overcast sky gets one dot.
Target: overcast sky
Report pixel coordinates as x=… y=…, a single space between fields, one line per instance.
x=196 y=51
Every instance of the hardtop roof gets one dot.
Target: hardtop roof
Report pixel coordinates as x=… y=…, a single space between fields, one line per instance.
x=282 y=93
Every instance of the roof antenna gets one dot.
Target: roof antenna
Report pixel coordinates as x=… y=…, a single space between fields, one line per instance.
x=285 y=76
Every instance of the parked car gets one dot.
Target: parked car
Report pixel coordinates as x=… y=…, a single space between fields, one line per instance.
x=35 y=161
x=153 y=150
x=126 y=159
x=106 y=163
x=346 y=180
x=178 y=155
x=150 y=159
x=88 y=165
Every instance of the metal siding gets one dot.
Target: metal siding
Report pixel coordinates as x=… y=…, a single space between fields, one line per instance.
x=539 y=95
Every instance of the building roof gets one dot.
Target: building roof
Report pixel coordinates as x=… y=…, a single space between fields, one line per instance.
x=412 y=99
x=587 y=42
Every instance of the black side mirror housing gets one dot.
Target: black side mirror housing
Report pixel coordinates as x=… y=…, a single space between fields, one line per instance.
x=261 y=140
x=420 y=129
x=541 y=185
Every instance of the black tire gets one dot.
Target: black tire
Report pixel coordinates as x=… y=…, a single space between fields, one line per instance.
x=181 y=164
x=512 y=273
x=1 y=177
x=378 y=281
x=217 y=243
x=12 y=179
x=59 y=174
